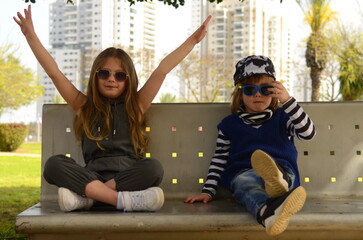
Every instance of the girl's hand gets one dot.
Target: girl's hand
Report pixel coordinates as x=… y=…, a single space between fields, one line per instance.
x=200 y=33
x=279 y=91
x=202 y=197
x=25 y=22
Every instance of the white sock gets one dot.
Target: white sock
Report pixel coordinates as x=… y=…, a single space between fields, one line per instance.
x=120 y=201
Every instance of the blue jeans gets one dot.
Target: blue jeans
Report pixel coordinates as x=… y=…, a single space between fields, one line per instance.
x=248 y=189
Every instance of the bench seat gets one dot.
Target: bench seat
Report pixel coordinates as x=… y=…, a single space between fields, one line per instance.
x=319 y=219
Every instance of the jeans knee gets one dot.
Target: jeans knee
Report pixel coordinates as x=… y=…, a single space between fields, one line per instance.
x=247 y=180
x=243 y=178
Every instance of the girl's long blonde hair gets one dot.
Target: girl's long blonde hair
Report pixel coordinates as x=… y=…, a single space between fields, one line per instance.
x=97 y=108
x=237 y=93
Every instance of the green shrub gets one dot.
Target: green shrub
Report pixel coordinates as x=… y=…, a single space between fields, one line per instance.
x=12 y=135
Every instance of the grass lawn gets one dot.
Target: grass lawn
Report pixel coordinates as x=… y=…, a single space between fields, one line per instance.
x=19 y=187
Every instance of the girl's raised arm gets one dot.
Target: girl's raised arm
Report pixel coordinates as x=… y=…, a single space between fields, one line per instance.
x=152 y=86
x=68 y=91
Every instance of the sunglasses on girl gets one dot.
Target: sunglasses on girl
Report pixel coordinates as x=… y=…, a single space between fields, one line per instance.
x=105 y=74
x=251 y=90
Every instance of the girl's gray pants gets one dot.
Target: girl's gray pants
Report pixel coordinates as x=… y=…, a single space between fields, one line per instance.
x=63 y=171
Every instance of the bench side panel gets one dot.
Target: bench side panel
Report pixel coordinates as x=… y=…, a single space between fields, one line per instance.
x=57 y=138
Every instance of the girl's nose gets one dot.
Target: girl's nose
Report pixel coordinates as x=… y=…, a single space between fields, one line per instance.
x=111 y=78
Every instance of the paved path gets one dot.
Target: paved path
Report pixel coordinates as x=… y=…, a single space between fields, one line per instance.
x=19 y=154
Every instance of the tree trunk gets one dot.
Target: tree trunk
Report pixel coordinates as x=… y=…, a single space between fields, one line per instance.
x=316 y=55
x=315 y=74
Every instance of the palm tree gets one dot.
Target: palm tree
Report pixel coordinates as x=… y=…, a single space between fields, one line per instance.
x=318 y=15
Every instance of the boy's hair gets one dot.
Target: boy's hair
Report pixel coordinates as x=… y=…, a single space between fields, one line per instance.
x=237 y=93
x=97 y=107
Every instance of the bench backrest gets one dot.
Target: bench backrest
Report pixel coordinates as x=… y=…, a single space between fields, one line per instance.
x=183 y=139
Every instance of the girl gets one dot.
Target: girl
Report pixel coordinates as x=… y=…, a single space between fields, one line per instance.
x=110 y=123
x=255 y=157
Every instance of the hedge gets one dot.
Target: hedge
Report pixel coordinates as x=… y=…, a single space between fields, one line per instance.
x=12 y=135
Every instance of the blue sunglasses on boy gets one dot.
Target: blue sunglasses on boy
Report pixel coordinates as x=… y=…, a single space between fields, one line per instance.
x=251 y=90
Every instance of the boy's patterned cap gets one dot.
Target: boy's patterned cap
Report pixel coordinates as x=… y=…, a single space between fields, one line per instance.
x=253 y=65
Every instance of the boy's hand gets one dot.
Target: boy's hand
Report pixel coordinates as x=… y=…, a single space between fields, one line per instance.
x=279 y=91
x=25 y=22
x=202 y=197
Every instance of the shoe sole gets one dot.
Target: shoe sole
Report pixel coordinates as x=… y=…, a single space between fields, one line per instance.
x=266 y=168
x=293 y=204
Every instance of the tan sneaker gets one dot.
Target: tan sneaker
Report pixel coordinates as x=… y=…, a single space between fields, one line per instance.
x=277 y=181
x=276 y=214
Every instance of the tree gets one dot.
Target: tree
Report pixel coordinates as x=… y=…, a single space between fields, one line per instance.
x=58 y=99
x=301 y=85
x=330 y=81
x=174 y=3
x=350 y=77
x=346 y=44
x=18 y=84
x=177 y=3
x=144 y=61
x=205 y=79
x=318 y=15
x=351 y=66
x=167 y=98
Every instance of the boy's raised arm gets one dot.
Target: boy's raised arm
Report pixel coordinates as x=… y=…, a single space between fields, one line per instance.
x=153 y=84
x=68 y=91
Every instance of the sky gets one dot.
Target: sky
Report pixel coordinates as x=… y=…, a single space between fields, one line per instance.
x=173 y=31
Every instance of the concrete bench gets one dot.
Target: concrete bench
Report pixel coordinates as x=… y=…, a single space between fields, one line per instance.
x=183 y=139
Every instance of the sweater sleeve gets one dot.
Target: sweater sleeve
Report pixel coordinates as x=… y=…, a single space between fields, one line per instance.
x=217 y=165
x=299 y=124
